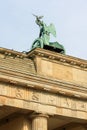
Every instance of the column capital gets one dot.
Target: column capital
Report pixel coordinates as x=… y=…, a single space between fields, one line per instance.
x=37 y=115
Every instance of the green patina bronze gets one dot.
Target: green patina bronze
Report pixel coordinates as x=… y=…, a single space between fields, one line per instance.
x=43 y=41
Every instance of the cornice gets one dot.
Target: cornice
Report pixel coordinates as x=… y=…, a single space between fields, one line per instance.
x=65 y=59
x=12 y=53
x=44 y=84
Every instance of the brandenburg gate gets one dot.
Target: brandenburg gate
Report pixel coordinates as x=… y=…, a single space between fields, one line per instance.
x=42 y=90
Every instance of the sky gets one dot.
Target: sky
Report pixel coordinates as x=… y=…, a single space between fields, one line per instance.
x=18 y=29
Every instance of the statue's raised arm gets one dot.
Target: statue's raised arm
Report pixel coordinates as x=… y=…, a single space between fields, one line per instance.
x=38 y=21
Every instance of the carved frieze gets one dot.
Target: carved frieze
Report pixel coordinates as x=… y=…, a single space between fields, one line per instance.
x=41 y=97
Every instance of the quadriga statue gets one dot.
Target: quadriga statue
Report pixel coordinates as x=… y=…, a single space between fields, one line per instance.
x=43 y=41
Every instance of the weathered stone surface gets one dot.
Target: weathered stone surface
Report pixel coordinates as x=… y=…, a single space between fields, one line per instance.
x=39 y=122
x=17 y=124
x=43 y=82
x=60 y=67
x=43 y=102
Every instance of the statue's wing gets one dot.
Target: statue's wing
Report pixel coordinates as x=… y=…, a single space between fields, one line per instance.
x=52 y=29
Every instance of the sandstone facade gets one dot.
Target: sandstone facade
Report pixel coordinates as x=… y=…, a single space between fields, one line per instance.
x=42 y=90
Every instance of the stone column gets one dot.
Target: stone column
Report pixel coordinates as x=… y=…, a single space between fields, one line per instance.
x=19 y=123
x=39 y=122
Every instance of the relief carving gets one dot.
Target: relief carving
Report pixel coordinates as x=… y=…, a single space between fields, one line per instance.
x=43 y=98
x=52 y=100
x=35 y=96
x=66 y=102
x=18 y=93
x=81 y=105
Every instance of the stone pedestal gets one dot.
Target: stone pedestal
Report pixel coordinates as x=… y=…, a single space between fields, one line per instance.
x=39 y=122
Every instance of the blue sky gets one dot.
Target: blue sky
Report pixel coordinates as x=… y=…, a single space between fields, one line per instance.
x=18 y=29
